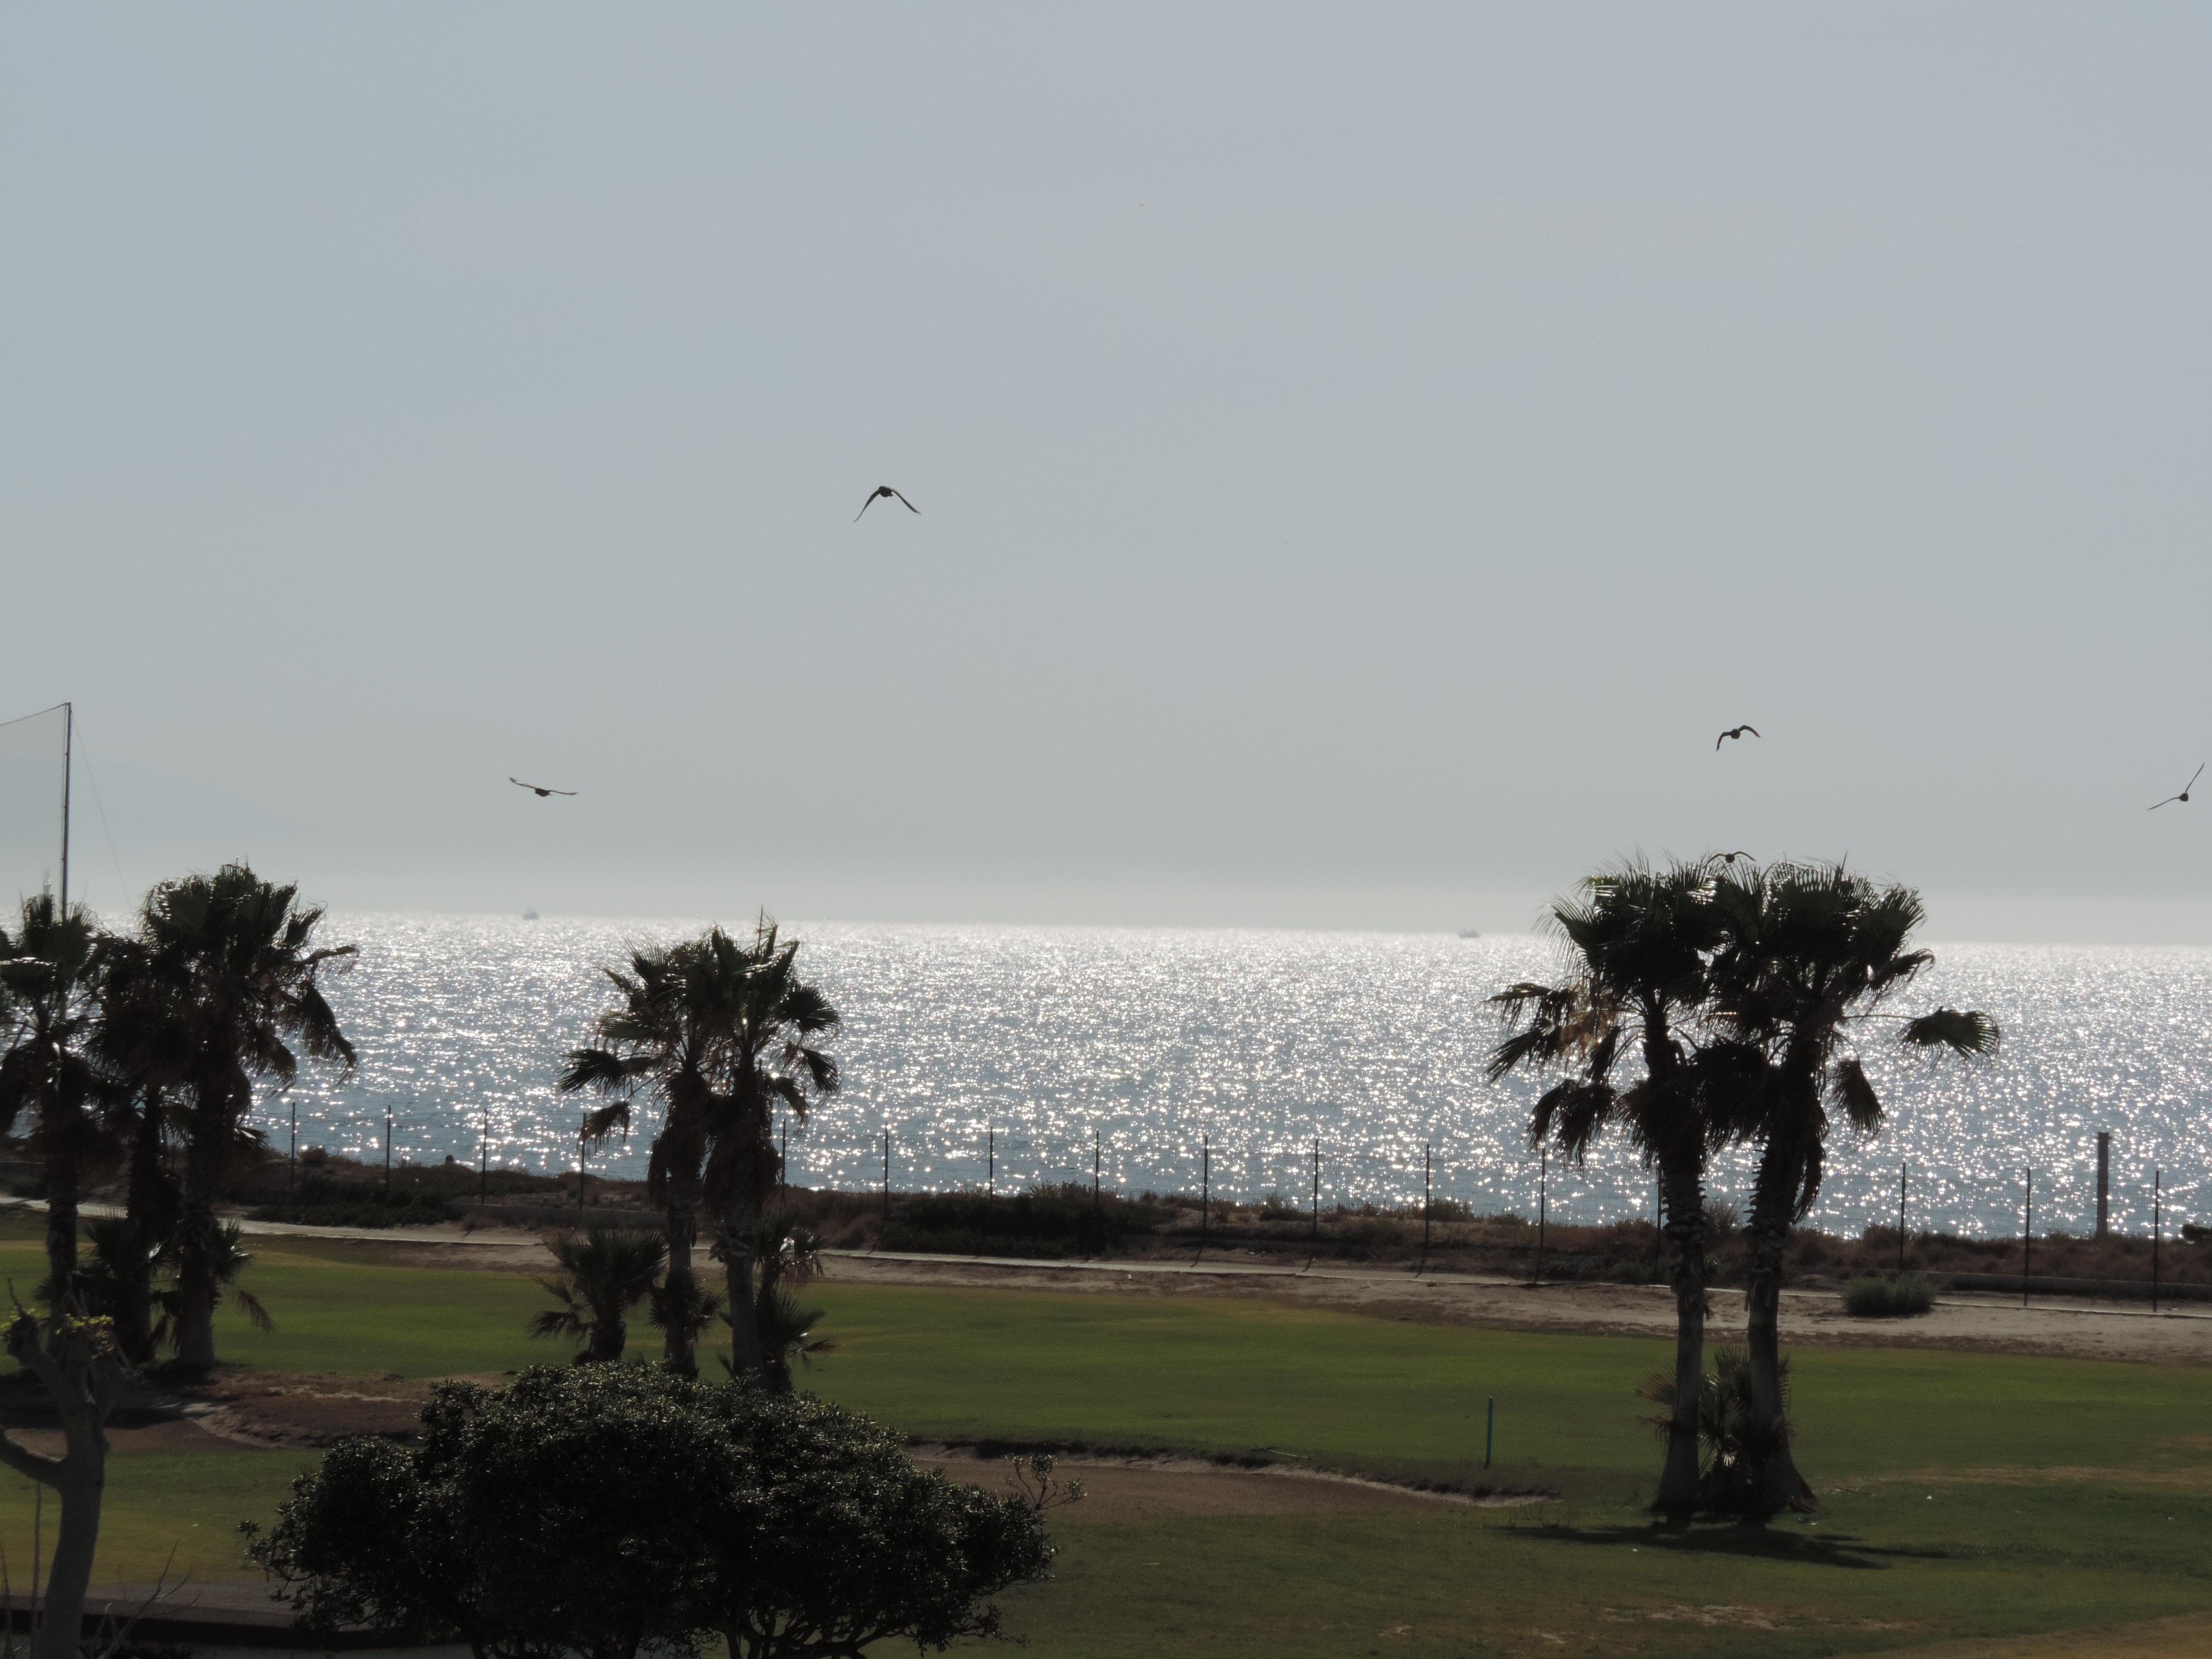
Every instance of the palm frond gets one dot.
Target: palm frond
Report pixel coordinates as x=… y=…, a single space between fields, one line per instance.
x=1963 y=1033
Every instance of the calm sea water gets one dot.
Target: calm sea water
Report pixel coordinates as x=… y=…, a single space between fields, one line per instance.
x=1149 y=1048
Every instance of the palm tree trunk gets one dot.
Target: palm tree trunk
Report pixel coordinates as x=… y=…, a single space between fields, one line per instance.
x=148 y=1208
x=1773 y=1203
x=745 y=1357
x=197 y=1287
x=1686 y=1232
x=61 y=1224
x=679 y=1287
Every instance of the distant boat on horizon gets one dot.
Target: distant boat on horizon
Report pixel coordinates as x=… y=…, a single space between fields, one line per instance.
x=529 y=915
x=1470 y=933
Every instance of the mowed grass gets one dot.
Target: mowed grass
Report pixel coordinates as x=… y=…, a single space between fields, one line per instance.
x=1213 y=1374
x=1963 y=1494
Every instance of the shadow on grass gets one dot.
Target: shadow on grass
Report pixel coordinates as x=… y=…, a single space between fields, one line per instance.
x=1738 y=1538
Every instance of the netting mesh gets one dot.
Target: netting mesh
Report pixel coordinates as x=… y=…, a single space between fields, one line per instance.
x=32 y=748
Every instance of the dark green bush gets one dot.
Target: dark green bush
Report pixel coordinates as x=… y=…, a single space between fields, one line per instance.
x=1050 y=1224
x=607 y=1511
x=1898 y=1297
x=323 y=1202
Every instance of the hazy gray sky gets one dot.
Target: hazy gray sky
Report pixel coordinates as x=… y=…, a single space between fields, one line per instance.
x=1364 y=453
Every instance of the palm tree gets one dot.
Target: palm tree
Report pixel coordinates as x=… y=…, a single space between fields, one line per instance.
x=605 y=1274
x=220 y=982
x=787 y=1257
x=722 y=1032
x=1811 y=953
x=129 y=1036
x=1638 y=942
x=228 y=1261
x=669 y=1034
x=47 y=971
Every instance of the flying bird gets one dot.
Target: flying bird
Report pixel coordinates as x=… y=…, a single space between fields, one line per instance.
x=1729 y=859
x=540 y=793
x=1733 y=731
x=2183 y=796
x=877 y=494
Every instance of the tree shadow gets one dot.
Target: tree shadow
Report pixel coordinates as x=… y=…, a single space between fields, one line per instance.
x=1740 y=1538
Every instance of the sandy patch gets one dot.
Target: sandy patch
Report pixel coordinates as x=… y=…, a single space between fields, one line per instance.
x=1131 y=1489
x=1810 y=1318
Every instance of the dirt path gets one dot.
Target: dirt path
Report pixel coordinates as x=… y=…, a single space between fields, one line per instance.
x=1996 y=1324
x=1810 y=1317
x=1127 y=1489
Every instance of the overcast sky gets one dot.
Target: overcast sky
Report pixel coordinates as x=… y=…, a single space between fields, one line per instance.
x=1364 y=453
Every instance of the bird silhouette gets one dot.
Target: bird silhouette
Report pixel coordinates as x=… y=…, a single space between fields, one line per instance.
x=877 y=494
x=1733 y=732
x=1729 y=859
x=2183 y=796
x=539 y=791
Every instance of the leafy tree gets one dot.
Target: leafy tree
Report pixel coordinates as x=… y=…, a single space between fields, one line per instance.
x=605 y=1274
x=76 y=1361
x=219 y=983
x=1810 y=954
x=1638 y=944
x=47 y=973
x=605 y=1510
x=721 y=1031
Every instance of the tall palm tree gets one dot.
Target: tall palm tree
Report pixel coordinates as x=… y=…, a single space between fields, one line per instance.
x=605 y=1274
x=218 y=989
x=720 y=1030
x=130 y=1033
x=1811 y=953
x=669 y=1034
x=1638 y=942
x=47 y=971
x=776 y=1058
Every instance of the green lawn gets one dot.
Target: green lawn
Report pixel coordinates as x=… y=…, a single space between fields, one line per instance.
x=1964 y=1494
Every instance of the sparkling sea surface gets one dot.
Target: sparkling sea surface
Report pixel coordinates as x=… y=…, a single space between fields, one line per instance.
x=1142 y=1046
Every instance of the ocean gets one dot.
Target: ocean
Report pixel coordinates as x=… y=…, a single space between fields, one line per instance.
x=1267 y=1057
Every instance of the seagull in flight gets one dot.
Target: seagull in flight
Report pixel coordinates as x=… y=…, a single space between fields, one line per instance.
x=1729 y=859
x=1733 y=731
x=877 y=494
x=537 y=790
x=2183 y=796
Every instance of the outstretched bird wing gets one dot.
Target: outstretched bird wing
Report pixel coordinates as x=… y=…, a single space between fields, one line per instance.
x=2183 y=795
x=866 y=505
x=537 y=789
x=905 y=503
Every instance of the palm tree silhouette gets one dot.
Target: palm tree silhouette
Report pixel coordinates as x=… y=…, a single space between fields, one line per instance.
x=605 y=1274
x=219 y=985
x=48 y=971
x=721 y=1031
x=1811 y=953
x=1638 y=941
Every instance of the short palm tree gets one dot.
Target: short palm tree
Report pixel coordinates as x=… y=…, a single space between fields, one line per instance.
x=1638 y=943
x=48 y=968
x=219 y=987
x=1810 y=954
x=228 y=1261
x=787 y=1257
x=604 y=1274
x=723 y=1031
